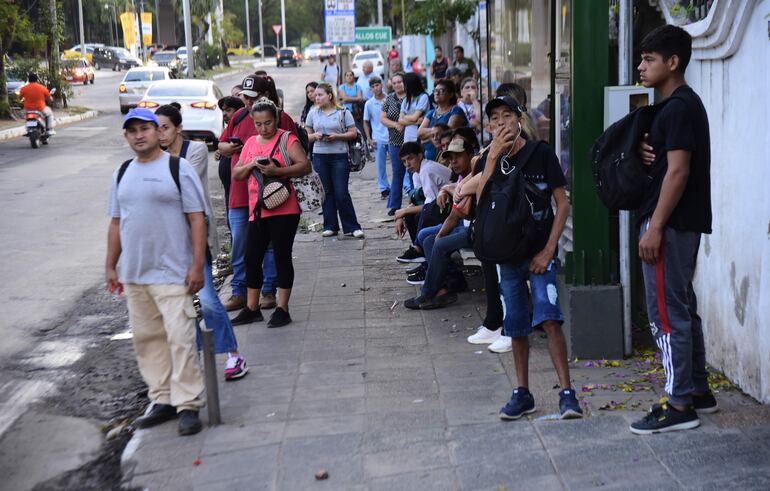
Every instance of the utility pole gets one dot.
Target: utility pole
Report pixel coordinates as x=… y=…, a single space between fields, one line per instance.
x=261 y=34
x=379 y=12
x=188 y=39
x=248 y=28
x=53 y=63
x=625 y=54
x=283 y=24
x=82 y=34
x=109 y=21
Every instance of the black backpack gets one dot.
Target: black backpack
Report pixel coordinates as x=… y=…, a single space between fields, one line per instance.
x=173 y=167
x=301 y=135
x=622 y=180
x=505 y=230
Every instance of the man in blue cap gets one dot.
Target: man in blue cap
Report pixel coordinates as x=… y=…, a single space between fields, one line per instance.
x=158 y=231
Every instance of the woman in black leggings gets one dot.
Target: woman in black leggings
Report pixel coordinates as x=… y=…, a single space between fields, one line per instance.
x=278 y=154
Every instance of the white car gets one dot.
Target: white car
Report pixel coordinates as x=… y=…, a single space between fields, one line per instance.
x=135 y=83
x=313 y=51
x=375 y=57
x=201 y=116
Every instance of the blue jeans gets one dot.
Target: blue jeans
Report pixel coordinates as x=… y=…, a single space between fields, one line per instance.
x=399 y=172
x=438 y=254
x=215 y=315
x=514 y=294
x=334 y=172
x=381 y=156
x=239 y=221
x=423 y=234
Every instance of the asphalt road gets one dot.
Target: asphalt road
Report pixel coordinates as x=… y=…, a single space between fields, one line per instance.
x=53 y=225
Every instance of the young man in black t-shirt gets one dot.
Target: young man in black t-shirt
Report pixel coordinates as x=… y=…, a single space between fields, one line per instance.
x=672 y=219
x=544 y=172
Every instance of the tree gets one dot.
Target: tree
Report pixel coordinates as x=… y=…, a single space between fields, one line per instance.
x=15 y=34
x=434 y=16
x=232 y=35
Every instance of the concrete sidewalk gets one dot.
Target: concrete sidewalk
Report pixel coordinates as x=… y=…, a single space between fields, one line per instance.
x=384 y=398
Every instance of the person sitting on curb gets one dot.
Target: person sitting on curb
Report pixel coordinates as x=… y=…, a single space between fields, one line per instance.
x=541 y=171
x=427 y=176
x=158 y=232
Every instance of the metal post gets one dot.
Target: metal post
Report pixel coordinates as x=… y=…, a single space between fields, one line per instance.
x=625 y=53
x=141 y=32
x=117 y=29
x=248 y=27
x=82 y=33
x=283 y=25
x=188 y=39
x=109 y=23
x=261 y=34
x=379 y=12
x=210 y=374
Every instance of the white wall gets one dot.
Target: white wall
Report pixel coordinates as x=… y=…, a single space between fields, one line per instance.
x=733 y=275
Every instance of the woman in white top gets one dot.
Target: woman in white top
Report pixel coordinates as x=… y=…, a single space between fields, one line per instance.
x=413 y=107
x=469 y=103
x=213 y=311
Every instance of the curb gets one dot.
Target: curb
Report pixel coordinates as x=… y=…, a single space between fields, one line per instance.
x=243 y=67
x=21 y=130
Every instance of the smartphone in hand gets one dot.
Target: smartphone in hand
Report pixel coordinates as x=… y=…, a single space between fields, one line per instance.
x=236 y=141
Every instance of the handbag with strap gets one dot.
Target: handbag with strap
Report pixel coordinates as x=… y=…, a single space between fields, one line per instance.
x=273 y=191
x=358 y=150
x=309 y=189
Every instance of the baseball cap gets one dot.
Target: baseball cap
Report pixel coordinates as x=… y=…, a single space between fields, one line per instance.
x=142 y=114
x=247 y=86
x=504 y=100
x=456 y=146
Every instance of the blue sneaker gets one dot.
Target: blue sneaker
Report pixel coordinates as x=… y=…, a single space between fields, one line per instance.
x=521 y=403
x=569 y=405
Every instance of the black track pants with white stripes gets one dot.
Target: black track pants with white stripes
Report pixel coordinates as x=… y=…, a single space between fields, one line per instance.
x=672 y=309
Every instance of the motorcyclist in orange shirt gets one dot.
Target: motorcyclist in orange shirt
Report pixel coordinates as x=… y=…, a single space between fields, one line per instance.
x=35 y=97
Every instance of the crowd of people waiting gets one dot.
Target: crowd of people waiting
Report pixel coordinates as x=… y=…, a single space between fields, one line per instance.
x=433 y=142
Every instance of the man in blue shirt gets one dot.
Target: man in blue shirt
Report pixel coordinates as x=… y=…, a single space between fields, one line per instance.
x=363 y=81
x=377 y=133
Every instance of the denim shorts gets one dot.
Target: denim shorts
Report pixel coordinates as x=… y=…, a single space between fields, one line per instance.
x=514 y=295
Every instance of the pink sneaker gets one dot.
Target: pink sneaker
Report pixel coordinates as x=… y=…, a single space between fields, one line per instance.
x=235 y=368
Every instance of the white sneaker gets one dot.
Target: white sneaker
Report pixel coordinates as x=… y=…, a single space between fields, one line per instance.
x=485 y=336
x=502 y=345
x=358 y=234
x=328 y=233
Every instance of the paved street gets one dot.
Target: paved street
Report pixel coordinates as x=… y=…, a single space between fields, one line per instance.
x=381 y=397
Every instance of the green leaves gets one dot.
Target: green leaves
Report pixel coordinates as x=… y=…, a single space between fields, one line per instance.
x=434 y=16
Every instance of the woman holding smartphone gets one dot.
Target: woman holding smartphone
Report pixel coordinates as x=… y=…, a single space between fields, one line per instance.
x=331 y=127
x=262 y=153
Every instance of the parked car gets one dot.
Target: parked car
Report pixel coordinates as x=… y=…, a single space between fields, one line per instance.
x=313 y=51
x=13 y=85
x=167 y=59
x=135 y=83
x=115 y=58
x=288 y=57
x=198 y=98
x=374 y=56
x=77 y=70
x=326 y=50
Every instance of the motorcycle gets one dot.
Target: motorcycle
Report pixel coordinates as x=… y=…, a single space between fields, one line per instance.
x=36 y=127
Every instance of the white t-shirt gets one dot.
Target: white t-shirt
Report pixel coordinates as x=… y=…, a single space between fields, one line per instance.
x=431 y=178
x=331 y=74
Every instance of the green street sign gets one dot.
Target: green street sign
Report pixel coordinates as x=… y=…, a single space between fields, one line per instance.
x=373 y=35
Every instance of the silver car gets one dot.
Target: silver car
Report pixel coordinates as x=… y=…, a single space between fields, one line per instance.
x=135 y=84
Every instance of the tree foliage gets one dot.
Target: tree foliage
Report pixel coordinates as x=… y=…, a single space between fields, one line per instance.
x=433 y=17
